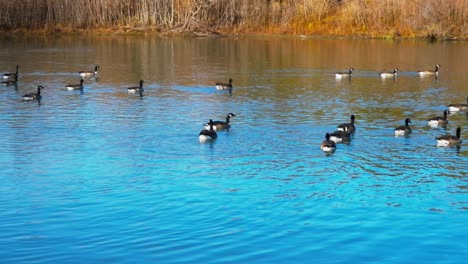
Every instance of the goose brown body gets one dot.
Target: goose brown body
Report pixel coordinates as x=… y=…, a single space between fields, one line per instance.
x=33 y=96
x=450 y=140
x=328 y=145
x=224 y=86
x=403 y=130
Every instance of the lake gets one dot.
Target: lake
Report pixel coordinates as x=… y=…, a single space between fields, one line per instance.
x=103 y=176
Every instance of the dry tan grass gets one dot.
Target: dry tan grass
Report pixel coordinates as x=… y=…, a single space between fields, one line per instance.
x=379 y=18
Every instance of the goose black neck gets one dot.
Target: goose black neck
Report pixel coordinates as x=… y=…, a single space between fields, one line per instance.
x=211 y=125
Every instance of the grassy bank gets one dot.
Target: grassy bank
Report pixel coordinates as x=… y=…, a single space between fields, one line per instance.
x=370 y=18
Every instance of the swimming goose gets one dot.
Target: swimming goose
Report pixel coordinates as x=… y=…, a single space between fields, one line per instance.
x=75 y=86
x=458 y=107
x=328 y=145
x=341 y=75
x=94 y=73
x=10 y=75
x=224 y=86
x=348 y=127
x=136 y=89
x=34 y=96
x=207 y=134
x=10 y=82
x=221 y=125
x=449 y=140
x=403 y=130
x=429 y=72
x=438 y=120
x=389 y=74
x=341 y=135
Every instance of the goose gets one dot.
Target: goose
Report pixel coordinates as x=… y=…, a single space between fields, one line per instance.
x=389 y=74
x=10 y=82
x=75 y=86
x=429 y=72
x=341 y=75
x=224 y=86
x=94 y=73
x=207 y=134
x=449 y=140
x=348 y=127
x=328 y=145
x=403 y=130
x=458 y=107
x=341 y=136
x=221 y=125
x=10 y=75
x=136 y=89
x=438 y=120
x=33 y=96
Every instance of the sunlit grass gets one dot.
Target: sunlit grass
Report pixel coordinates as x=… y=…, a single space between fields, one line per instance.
x=372 y=18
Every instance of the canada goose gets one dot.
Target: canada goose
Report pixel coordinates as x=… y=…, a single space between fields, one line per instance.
x=33 y=96
x=341 y=75
x=348 y=127
x=389 y=74
x=207 y=134
x=10 y=82
x=429 y=72
x=136 y=89
x=449 y=140
x=75 y=86
x=458 y=107
x=10 y=75
x=224 y=86
x=438 y=120
x=221 y=125
x=328 y=145
x=94 y=73
x=341 y=135
x=403 y=130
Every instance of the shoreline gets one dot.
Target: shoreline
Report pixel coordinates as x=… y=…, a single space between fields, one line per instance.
x=154 y=31
x=383 y=19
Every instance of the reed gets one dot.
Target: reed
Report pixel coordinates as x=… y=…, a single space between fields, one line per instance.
x=434 y=18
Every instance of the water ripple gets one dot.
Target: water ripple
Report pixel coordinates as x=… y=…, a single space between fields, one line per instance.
x=103 y=176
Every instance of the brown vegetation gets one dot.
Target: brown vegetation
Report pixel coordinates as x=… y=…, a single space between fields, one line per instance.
x=374 y=18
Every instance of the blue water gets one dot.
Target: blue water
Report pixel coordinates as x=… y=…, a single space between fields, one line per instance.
x=106 y=177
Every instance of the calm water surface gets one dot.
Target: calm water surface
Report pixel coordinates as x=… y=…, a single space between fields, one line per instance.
x=106 y=177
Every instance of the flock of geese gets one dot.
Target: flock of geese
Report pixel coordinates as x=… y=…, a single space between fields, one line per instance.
x=391 y=74
x=346 y=130
x=341 y=135
x=11 y=79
